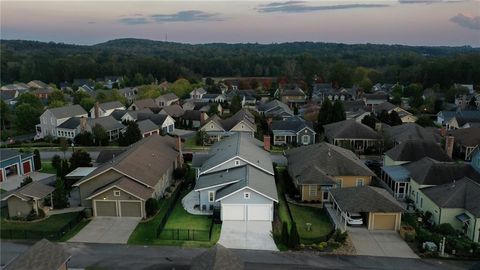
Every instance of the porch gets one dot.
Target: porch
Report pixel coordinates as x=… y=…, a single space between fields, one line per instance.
x=191 y=204
x=396 y=179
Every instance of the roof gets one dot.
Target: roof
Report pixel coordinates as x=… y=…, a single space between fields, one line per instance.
x=107 y=155
x=229 y=123
x=80 y=172
x=168 y=97
x=321 y=163
x=6 y=153
x=349 y=129
x=414 y=150
x=198 y=91
x=111 y=105
x=294 y=124
x=8 y=94
x=382 y=95
x=143 y=161
x=217 y=258
x=38 y=84
x=353 y=105
x=35 y=190
x=192 y=115
x=464 y=117
x=174 y=110
x=68 y=111
x=239 y=145
x=411 y=131
x=157 y=119
x=463 y=193
x=118 y=114
x=295 y=91
x=365 y=199
x=220 y=178
x=466 y=136
x=274 y=104
x=397 y=173
x=253 y=179
x=145 y=103
x=146 y=126
x=43 y=255
x=385 y=106
x=128 y=185
x=107 y=122
x=427 y=171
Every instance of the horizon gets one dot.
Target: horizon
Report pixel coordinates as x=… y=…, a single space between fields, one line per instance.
x=404 y=22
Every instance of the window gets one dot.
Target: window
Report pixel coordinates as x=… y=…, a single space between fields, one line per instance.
x=359 y=182
x=237 y=162
x=305 y=139
x=246 y=195
x=116 y=193
x=339 y=182
x=211 y=126
x=325 y=195
x=211 y=196
x=312 y=190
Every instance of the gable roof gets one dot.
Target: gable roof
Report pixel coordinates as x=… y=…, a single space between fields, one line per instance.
x=168 y=97
x=111 y=105
x=157 y=119
x=321 y=163
x=67 y=111
x=414 y=150
x=144 y=161
x=229 y=123
x=466 y=136
x=145 y=103
x=294 y=124
x=43 y=255
x=411 y=131
x=385 y=106
x=193 y=115
x=174 y=110
x=106 y=155
x=147 y=125
x=350 y=129
x=107 y=122
x=198 y=91
x=274 y=104
x=463 y=193
x=35 y=190
x=365 y=199
x=128 y=185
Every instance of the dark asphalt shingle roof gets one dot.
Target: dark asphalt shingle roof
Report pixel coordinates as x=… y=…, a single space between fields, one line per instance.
x=220 y=177
x=466 y=136
x=107 y=155
x=146 y=126
x=43 y=255
x=349 y=129
x=294 y=124
x=111 y=105
x=158 y=119
x=35 y=190
x=68 y=111
x=365 y=199
x=414 y=150
x=411 y=131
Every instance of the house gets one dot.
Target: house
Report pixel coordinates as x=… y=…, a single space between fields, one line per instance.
x=112 y=81
x=148 y=128
x=214 y=97
x=414 y=150
x=87 y=89
x=13 y=163
x=105 y=109
x=293 y=130
x=355 y=109
x=147 y=103
x=320 y=91
x=469 y=87
x=129 y=93
x=373 y=99
x=466 y=140
x=275 y=109
x=396 y=179
x=241 y=122
x=52 y=118
x=201 y=106
x=21 y=87
x=126 y=115
x=197 y=93
x=317 y=168
x=27 y=199
x=175 y=111
x=194 y=119
x=464 y=119
x=445 y=117
x=76 y=125
x=456 y=203
x=217 y=258
x=9 y=96
x=351 y=134
x=292 y=96
x=79 y=82
x=37 y=84
x=43 y=93
x=43 y=255
x=248 y=96
x=121 y=187
x=410 y=131
x=167 y=100
x=165 y=123
x=236 y=177
x=380 y=211
x=404 y=115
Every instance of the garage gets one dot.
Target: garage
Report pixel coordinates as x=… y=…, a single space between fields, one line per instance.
x=259 y=212
x=27 y=167
x=131 y=209
x=233 y=212
x=384 y=221
x=106 y=208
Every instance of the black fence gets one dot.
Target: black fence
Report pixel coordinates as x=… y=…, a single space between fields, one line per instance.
x=40 y=234
x=171 y=205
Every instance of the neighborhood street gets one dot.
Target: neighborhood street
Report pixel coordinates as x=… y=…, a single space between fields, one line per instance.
x=114 y=256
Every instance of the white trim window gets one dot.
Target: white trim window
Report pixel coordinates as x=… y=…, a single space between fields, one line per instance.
x=237 y=162
x=116 y=193
x=246 y=195
x=339 y=182
x=305 y=139
x=211 y=196
x=360 y=182
x=312 y=190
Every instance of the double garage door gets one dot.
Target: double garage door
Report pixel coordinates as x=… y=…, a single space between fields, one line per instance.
x=262 y=212
x=118 y=208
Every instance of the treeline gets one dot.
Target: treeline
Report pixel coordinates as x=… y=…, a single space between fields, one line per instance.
x=55 y=62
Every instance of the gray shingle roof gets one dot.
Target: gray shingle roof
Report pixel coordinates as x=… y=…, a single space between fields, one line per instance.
x=107 y=155
x=411 y=131
x=157 y=119
x=107 y=122
x=349 y=129
x=147 y=125
x=174 y=110
x=35 y=190
x=220 y=177
x=464 y=193
x=68 y=111
x=43 y=255
x=365 y=199
x=6 y=153
x=128 y=185
x=168 y=97
x=274 y=105
x=192 y=115
x=111 y=105
x=145 y=103
x=217 y=258
x=320 y=163
x=466 y=136
x=293 y=124
x=414 y=150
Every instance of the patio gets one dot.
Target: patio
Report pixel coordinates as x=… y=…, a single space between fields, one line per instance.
x=191 y=204
x=13 y=182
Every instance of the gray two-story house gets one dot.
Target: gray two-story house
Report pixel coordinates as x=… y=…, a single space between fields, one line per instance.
x=293 y=130
x=52 y=118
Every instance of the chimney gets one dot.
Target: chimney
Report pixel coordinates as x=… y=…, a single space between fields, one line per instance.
x=96 y=110
x=83 y=124
x=449 y=140
x=202 y=118
x=266 y=142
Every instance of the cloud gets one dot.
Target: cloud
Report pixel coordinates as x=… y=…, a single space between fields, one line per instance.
x=466 y=21
x=134 y=20
x=301 y=7
x=91 y=22
x=429 y=1
x=187 y=16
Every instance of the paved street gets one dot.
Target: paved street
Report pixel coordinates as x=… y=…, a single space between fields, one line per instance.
x=112 y=256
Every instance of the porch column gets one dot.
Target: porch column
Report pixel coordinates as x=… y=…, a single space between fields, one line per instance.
x=35 y=206
x=51 y=201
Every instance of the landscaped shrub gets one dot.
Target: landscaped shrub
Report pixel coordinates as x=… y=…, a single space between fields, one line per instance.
x=445 y=229
x=294 y=238
x=340 y=237
x=151 y=207
x=179 y=173
x=27 y=180
x=284 y=234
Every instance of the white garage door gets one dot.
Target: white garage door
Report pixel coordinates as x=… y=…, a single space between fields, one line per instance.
x=233 y=212
x=259 y=212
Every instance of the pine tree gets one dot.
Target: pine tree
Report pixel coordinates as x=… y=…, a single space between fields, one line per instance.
x=60 y=195
x=338 y=112
x=37 y=161
x=284 y=235
x=294 y=238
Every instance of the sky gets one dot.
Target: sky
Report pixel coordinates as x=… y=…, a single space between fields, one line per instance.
x=408 y=22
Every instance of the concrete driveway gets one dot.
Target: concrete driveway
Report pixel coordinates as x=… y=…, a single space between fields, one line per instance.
x=109 y=230
x=379 y=243
x=247 y=235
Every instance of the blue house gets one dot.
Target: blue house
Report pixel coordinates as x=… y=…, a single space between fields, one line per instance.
x=13 y=163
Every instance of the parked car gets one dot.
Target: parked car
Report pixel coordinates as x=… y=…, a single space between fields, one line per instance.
x=354 y=219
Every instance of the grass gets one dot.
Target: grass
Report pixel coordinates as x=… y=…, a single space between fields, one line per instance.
x=47 y=167
x=321 y=225
x=181 y=219
x=191 y=143
x=52 y=223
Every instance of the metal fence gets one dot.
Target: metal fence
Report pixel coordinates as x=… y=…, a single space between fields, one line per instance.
x=171 y=205
x=185 y=234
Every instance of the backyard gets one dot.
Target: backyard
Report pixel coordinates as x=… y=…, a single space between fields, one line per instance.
x=47 y=167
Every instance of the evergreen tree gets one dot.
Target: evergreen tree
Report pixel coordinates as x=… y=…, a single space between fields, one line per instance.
x=80 y=158
x=324 y=115
x=284 y=235
x=27 y=180
x=132 y=134
x=236 y=104
x=369 y=120
x=56 y=162
x=100 y=136
x=60 y=195
x=294 y=238
x=37 y=161
x=338 y=112
x=394 y=119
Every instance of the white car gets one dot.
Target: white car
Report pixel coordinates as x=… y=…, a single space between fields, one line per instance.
x=353 y=218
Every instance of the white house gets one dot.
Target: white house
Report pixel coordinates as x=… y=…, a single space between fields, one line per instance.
x=105 y=109
x=52 y=118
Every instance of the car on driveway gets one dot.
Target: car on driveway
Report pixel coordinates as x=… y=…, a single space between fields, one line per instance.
x=354 y=219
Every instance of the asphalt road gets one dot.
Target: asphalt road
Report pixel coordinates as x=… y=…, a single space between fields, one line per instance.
x=48 y=155
x=112 y=256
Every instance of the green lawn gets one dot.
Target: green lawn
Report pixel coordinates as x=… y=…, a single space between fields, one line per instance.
x=321 y=225
x=181 y=219
x=47 y=167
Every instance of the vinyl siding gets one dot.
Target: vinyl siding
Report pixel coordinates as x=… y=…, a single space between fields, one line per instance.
x=99 y=181
x=16 y=205
x=238 y=198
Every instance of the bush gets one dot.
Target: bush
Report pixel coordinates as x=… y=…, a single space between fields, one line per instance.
x=340 y=237
x=27 y=180
x=179 y=173
x=151 y=207
x=445 y=229
x=284 y=234
x=294 y=238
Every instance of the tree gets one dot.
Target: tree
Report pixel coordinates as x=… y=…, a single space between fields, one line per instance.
x=473 y=103
x=151 y=207
x=87 y=103
x=63 y=146
x=213 y=109
x=236 y=104
x=295 y=110
x=78 y=96
x=80 y=158
x=294 y=238
x=5 y=115
x=324 y=115
x=84 y=139
x=138 y=79
x=132 y=134
x=98 y=86
x=60 y=200
x=425 y=121
x=369 y=120
x=63 y=169
x=27 y=116
x=56 y=162
x=56 y=104
x=284 y=234
x=27 y=180
x=201 y=137
x=338 y=112
x=100 y=136
x=56 y=96
x=31 y=100
x=37 y=161
x=384 y=117
x=394 y=119
x=181 y=88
